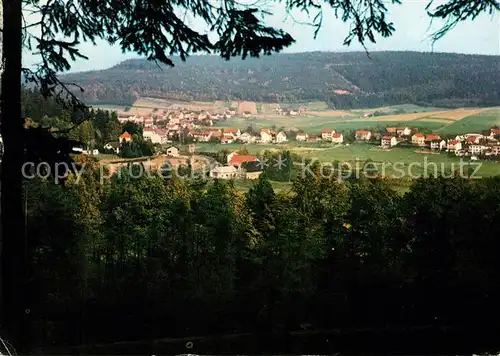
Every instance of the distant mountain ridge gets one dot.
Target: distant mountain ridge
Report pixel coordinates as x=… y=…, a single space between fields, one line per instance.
x=344 y=80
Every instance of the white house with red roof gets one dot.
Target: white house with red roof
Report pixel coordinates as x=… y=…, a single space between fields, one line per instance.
x=494 y=132
x=363 y=135
x=454 y=145
x=418 y=139
x=125 y=137
x=281 y=137
x=266 y=135
x=326 y=134
x=204 y=136
x=337 y=137
x=301 y=136
x=236 y=160
x=388 y=141
x=231 y=132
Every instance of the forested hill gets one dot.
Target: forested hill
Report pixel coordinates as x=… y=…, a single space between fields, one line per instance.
x=345 y=80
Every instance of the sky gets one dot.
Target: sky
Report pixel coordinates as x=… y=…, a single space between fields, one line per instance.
x=481 y=36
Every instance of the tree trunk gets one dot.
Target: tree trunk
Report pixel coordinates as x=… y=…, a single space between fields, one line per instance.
x=12 y=219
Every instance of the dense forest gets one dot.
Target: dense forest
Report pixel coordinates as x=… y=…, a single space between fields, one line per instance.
x=141 y=257
x=384 y=78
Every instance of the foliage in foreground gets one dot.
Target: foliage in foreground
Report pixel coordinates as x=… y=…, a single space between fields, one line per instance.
x=142 y=258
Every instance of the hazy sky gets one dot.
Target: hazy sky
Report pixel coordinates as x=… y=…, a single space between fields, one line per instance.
x=410 y=19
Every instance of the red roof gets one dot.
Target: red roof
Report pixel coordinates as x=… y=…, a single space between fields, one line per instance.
x=453 y=142
x=336 y=135
x=362 y=132
x=419 y=134
x=433 y=137
x=391 y=129
x=471 y=139
x=230 y=130
x=495 y=131
x=125 y=135
x=237 y=160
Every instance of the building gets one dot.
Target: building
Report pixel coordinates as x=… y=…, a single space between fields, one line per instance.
x=231 y=132
x=388 y=141
x=152 y=135
x=301 y=136
x=363 y=135
x=418 y=139
x=337 y=137
x=112 y=146
x=236 y=160
x=438 y=144
x=477 y=149
x=191 y=148
x=173 y=151
x=403 y=131
x=494 y=132
x=125 y=137
x=266 y=135
x=281 y=137
x=247 y=138
x=454 y=145
x=326 y=134
x=226 y=172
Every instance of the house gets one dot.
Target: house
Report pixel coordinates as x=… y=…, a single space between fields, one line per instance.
x=473 y=135
x=230 y=156
x=301 y=136
x=93 y=152
x=418 y=139
x=281 y=137
x=112 y=146
x=266 y=135
x=216 y=133
x=363 y=135
x=403 y=131
x=337 y=137
x=494 y=132
x=226 y=139
x=231 y=132
x=247 y=138
x=391 y=130
x=312 y=138
x=152 y=135
x=376 y=136
x=388 y=141
x=201 y=136
x=326 y=134
x=227 y=172
x=148 y=122
x=454 y=145
x=438 y=144
x=472 y=140
x=432 y=137
x=173 y=151
x=125 y=137
x=477 y=149
x=252 y=170
x=237 y=160
x=495 y=150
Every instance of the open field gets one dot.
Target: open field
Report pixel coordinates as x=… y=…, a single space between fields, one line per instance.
x=399 y=161
x=474 y=123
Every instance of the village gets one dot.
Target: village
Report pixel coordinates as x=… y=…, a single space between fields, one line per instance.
x=168 y=127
